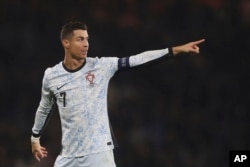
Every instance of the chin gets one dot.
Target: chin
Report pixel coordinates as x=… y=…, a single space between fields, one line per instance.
x=83 y=56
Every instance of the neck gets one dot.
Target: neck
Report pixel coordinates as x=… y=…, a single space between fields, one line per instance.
x=73 y=64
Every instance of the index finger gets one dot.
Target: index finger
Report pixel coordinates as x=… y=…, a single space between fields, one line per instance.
x=199 y=41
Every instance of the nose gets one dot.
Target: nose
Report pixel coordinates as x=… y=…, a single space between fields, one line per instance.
x=86 y=43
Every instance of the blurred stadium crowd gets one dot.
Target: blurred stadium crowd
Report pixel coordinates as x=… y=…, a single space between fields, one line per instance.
x=188 y=111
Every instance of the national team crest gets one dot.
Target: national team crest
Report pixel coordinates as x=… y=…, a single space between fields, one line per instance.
x=90 y=77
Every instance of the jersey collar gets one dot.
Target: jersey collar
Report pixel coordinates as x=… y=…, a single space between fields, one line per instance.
x=75 y=70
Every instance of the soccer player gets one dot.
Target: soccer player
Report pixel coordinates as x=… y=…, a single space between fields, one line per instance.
x=78 y=85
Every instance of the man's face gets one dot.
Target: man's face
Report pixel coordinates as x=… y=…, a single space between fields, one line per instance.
x=78 y=44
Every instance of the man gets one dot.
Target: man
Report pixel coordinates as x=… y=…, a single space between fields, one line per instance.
x=79 y=85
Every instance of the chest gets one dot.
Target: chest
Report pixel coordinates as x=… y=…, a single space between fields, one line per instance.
x=72 y=89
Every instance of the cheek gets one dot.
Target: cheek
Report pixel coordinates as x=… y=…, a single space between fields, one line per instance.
x=74 y=48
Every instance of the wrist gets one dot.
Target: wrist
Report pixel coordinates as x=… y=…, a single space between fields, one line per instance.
x=176 y=50
x=170 y=51
x=35 y=139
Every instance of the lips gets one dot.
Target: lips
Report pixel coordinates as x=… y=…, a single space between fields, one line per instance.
x=84 y=51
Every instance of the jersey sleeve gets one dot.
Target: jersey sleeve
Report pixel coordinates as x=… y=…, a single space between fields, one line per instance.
x=44 y=108
x=143 y=58
x=110 y=63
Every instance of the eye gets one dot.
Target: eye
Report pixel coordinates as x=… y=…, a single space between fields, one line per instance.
x=82 y=39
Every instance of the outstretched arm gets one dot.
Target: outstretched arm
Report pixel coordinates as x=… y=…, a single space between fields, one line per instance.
x=191 y=47
x=156 y=55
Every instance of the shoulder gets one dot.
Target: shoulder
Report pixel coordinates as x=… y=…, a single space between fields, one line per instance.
x=54 y=69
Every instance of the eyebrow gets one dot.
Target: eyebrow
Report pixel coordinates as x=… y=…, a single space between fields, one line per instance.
x=87 y=37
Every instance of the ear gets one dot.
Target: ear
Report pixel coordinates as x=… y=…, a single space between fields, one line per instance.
x=65 y=43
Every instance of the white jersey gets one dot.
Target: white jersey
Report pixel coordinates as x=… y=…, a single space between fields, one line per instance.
x=81 y=96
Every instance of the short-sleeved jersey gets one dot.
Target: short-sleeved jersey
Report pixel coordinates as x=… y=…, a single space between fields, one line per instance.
x=81 y=97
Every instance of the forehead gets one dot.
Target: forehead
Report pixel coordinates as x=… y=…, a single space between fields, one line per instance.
x=82 y=33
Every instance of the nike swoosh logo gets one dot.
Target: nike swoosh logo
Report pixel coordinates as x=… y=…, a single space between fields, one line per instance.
x=59 y=87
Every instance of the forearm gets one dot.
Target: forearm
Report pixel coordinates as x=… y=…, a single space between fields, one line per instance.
x=179 y=49
x=147 y=56
x=39 y=124
x=43 y=113
x=176 y=50
x=44 y=108
x=41 y=118
x=143 y=58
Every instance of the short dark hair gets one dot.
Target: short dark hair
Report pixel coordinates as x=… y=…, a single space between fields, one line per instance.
x=68 y=28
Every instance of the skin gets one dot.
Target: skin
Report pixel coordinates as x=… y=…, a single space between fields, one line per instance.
x=191 y=47
x=76 y=49
x=38 y=151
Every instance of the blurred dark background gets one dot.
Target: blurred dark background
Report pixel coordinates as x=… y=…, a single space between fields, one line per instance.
x=188 y=111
